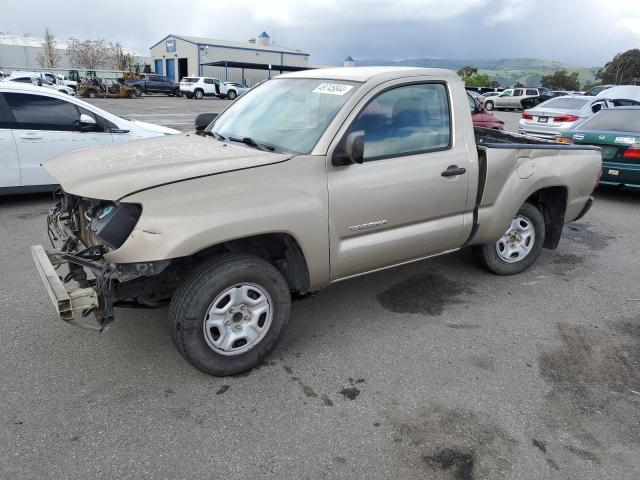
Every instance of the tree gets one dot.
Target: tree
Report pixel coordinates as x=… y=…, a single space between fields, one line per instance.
x=90 y=54
x=49 y=57
x=624 y=68
x=121 y=60
x=478 y=80
x=561 y=80
x=467 y=71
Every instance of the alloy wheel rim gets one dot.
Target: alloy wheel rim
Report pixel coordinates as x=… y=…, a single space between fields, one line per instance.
x=238 y=319
x=517 y=242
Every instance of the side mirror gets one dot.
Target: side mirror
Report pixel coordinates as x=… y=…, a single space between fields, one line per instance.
x=87 y=123
x=350 y=151
x=203 y=120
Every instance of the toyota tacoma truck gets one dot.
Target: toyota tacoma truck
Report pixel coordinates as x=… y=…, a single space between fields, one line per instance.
x=308 y=179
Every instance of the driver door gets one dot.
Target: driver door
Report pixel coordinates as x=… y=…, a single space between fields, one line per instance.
x=45 y=127
x=397 y=206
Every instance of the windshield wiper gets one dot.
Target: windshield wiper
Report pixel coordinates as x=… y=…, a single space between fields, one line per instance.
x=215 y=135
x=252 y=143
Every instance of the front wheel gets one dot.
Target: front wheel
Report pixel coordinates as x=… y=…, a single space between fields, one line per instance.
x=519 y=247
x=138 y=91
x=229 y=313
x=488 y=105
x=231 y=95
x=199 y=94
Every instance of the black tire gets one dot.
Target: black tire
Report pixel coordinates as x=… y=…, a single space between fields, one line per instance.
x=193 y=298
x=231 y=95
x=198 y=94
x=488 y=105
x=138 y=91
x=178 y=93
x=91 y=94
x=488 y=257
x=188 y=95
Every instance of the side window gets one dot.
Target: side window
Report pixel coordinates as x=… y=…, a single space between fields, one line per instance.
x=37 y=112
x=153 y=78
x=506 y=93
x=472 y=103
x=532 y=91
x=209 y=81
x=405 y=121
x=517 y=92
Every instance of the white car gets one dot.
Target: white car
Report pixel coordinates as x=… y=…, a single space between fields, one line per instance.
x=37 y=124
x=40 y=81
x=561 y=114
x=232 y=90
x=199 y=87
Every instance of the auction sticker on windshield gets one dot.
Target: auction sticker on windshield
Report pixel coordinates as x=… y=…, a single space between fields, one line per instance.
x=333 y=88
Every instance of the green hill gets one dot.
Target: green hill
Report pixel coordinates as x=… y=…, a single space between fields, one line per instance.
x=506 y=71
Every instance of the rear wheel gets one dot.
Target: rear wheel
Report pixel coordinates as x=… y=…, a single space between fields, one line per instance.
x=519 y=247
x=488 y=105
x=199 y=94
x=229 y=313
x=92 y=94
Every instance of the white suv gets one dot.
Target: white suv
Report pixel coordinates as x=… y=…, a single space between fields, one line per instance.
x=199 y=87
x=232 y=90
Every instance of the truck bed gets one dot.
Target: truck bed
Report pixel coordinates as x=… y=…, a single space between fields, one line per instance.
x=492 y=138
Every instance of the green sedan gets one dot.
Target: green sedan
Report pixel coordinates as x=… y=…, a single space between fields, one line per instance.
x=617 y=132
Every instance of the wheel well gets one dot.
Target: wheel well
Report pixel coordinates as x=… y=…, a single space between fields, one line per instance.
x=552 y=202
x=279 y=249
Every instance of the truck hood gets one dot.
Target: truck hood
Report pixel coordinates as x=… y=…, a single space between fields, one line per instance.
x=115 y=171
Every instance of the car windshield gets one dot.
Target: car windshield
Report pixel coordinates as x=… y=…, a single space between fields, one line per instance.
x=289 y=114
x=565 y=103
x=614 y=120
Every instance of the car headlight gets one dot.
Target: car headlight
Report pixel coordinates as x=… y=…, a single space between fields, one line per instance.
x=114 y=222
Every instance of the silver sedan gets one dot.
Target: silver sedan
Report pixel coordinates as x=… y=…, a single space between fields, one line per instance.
x=559 y=114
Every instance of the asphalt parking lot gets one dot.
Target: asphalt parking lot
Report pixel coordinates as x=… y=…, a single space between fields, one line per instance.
x=433 y=370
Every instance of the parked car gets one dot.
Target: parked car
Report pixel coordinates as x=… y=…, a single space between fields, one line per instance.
x=617 y=132
x=200 y=87
x=598 y=89
x=37 y=124
x=310 y=178
x=232 y=90
x=622 y=92
x=478 y=96
x=512 y=98
x=149 y=83
x=480 y=117
x=563 y=113
x=40 y=82
x=52 y=78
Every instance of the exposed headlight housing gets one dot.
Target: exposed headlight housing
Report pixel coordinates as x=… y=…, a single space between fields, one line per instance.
x=114 y=222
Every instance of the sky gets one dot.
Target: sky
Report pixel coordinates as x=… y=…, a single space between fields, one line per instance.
x=580 y=32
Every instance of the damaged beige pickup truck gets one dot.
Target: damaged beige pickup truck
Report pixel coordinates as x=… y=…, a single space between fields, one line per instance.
x=308 y=179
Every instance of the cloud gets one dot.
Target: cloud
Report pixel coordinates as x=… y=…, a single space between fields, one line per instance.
x=510 y=11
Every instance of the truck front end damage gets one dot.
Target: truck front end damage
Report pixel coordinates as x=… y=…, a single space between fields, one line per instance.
x=78 y=279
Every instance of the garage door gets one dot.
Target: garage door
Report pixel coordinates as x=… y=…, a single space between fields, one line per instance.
x=171 y=69
x=159 y=67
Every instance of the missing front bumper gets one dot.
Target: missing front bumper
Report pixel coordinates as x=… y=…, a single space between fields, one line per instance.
x=75 y=303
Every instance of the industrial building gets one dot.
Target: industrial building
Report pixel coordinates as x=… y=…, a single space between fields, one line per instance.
x=20 y=52
x=250 y=62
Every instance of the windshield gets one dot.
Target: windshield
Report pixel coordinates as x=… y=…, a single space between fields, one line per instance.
x=614 y=120
x=289 y=114
x=565 y=103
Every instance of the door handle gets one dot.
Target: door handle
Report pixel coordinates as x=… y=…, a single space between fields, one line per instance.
x=31 y=136
x=453 y=171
